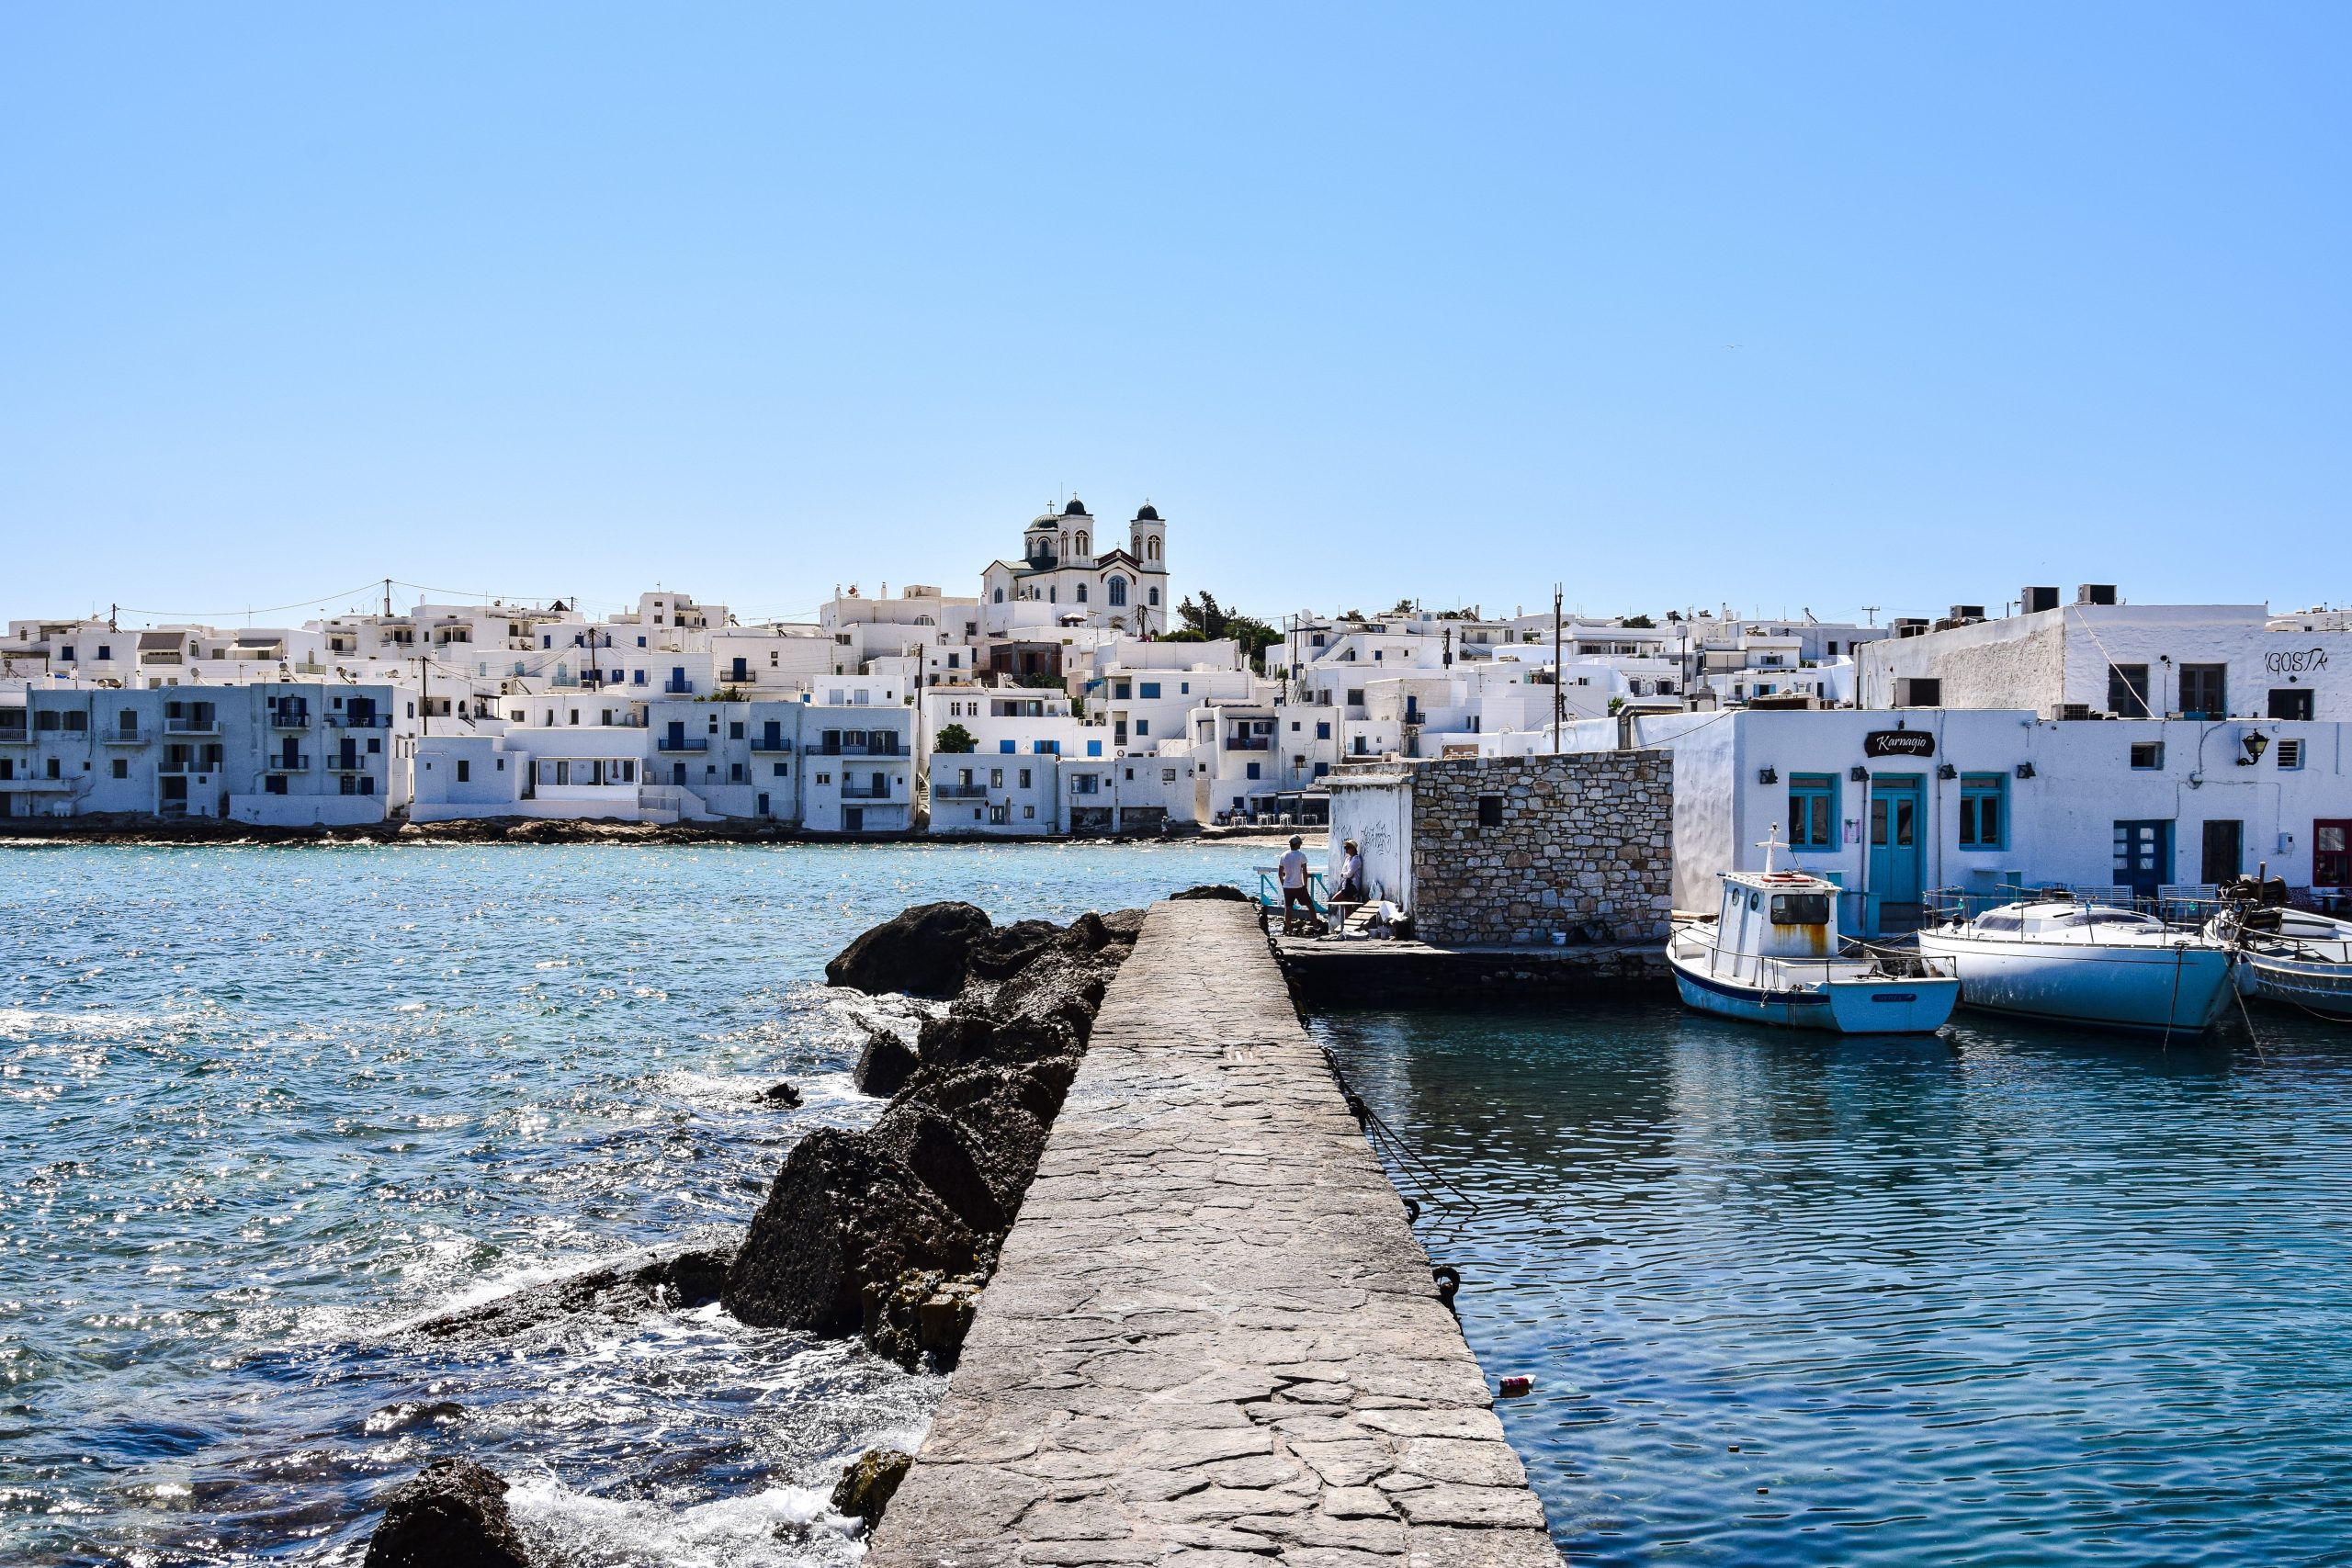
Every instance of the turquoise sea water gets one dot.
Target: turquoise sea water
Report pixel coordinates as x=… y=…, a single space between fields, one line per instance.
x=2010 y=1296
x=258 y=1106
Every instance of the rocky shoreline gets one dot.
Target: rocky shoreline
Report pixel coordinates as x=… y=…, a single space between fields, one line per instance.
x=888 y=1233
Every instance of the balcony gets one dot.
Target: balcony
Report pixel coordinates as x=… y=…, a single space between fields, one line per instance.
x=33 y=785
x=676 y=688
x=297 y=763
x=847 y=748
x=293 y=717
x=779 y=744
x=191 y=726
x=860 y=792
x=360 y=720
x=1248 y=743
x=959 y=792
x=183 y=768
x=681 y=743
x=347 y=763
x=119 y=736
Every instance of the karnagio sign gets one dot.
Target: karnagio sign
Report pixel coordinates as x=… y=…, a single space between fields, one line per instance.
x=1899 y=743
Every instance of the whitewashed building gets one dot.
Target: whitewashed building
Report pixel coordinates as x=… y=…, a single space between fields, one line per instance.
x=1892 y=805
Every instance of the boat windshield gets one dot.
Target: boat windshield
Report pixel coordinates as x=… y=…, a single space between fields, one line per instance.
x=1800 y=909
x=2076 y=919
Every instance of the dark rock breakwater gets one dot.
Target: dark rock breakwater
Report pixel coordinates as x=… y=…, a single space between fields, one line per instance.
x=890 y=1231
x=931 y=1189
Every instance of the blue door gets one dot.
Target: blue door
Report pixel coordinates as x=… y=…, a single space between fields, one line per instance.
x=2143 y=856
x=1897 y=866
x=677 y=741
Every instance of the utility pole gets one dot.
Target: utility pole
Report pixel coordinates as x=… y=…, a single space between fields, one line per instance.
x=387 y=598
x=424 y=695
x=1557 y=696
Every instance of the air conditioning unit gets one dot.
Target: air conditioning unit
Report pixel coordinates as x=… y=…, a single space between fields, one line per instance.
x=2033 y=600
x=2072 y=711
x=1910 y=626
x=2095 y=594
x=1968 y=612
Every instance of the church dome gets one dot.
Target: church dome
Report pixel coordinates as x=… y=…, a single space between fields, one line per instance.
x=1076 y=508
x=1149 y=514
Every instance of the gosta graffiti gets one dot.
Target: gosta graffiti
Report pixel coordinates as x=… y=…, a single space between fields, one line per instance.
x=2295 y=661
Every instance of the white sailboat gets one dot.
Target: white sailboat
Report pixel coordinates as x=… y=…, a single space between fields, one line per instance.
x=1771 y=954
x=2061 y=959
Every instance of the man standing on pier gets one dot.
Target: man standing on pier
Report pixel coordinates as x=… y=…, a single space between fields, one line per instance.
x=1292 y=869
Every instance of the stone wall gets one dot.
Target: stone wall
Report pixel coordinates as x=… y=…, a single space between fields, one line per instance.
x=1584 y=844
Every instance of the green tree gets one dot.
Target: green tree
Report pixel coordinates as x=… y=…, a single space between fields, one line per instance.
x=1637 y=623
x=1209 y=621
x=955 y=737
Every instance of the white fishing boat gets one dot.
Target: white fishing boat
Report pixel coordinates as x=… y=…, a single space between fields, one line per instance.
x=2297 y=957
x=1771 y=954
x=2062 y=959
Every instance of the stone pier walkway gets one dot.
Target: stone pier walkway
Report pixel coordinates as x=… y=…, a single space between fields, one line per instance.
x=1212 y=1339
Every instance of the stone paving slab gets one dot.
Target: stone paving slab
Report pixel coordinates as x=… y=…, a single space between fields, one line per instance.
x=1212 y=1340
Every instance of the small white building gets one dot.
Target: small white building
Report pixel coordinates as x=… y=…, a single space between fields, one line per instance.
x=2096 y=655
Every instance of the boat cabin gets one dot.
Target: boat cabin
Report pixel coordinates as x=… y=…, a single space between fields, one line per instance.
x=2052 y=919
x=1778 y=914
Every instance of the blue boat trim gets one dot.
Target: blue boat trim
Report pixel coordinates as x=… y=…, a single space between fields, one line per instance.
x=1756 y=992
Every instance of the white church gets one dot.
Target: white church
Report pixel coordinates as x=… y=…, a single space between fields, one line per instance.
x=1062 y=580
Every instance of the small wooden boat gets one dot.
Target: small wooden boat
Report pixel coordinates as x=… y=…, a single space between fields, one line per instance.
x=1772 y=954
x=2294 y=957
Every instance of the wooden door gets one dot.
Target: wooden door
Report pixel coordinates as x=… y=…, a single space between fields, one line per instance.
x=2143 y=856
x=1896 y=863
x=2224 y=856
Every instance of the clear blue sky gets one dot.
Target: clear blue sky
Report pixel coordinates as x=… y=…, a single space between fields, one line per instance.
x=1788 y=305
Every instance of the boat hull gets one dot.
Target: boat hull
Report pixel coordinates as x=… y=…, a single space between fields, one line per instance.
x=2152 y=988
x=1843 y=1006
x=2323 y=988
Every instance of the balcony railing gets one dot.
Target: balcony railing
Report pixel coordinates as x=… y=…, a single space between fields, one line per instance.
x=959 y=792
x=25 y=785
x=847 y=748
x=282 y=764
x=118 y=736
x=289 y=718
x=1248 y=743
x=191 y=726
x=187 y=768
x=674 y=688
x=681 y=743
x=778 y=743
x=360 y=720
x=352 y=762
x=862 y=792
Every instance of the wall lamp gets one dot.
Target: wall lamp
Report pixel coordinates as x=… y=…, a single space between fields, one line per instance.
x=2253 y=743
x=1946 y=771
x=1768 y=776
x=1859 y=774
x=2025 y=769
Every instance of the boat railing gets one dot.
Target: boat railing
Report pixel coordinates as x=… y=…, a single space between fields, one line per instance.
x=1269 y=889
x=2184 y=906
